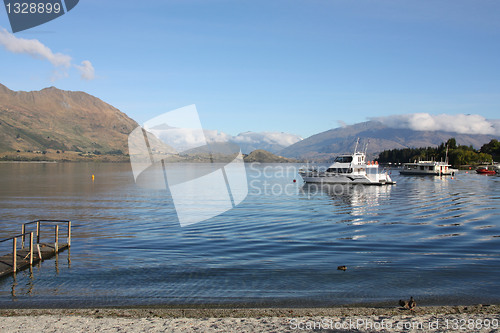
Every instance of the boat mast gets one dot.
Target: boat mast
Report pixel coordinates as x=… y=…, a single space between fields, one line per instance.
x=356 y=147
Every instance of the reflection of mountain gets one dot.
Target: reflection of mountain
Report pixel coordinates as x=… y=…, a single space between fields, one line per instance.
x=340 y=140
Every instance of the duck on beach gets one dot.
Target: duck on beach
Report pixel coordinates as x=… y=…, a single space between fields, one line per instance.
x=410 y=305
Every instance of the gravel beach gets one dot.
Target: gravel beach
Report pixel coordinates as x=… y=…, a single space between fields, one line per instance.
x=477 y=318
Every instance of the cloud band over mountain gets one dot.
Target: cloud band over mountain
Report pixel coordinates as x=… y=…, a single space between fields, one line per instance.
x=458 y=123
x=248 y=141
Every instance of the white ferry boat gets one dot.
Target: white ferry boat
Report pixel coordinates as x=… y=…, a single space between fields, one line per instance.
x=348 y=169
x=428 y=168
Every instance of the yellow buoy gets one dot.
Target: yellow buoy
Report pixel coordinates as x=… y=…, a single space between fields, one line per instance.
x=93 y=177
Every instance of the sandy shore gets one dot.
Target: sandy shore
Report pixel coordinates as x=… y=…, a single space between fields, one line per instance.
x=477 y=318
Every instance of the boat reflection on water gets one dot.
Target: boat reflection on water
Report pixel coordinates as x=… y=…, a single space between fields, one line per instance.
x=358 y=199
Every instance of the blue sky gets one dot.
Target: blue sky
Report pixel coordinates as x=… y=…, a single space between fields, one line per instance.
x=292 y=66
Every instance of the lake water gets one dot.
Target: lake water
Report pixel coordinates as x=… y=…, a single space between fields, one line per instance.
x=434 y=238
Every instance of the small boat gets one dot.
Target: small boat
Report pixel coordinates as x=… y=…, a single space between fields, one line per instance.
x=485 y=171
x=431 y=168
x=348 y=169
x=428 y=168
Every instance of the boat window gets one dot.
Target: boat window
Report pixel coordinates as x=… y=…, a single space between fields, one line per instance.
x=344 y=159
x=331 y=170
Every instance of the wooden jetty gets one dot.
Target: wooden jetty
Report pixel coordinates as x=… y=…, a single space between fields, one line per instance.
x=35 y=250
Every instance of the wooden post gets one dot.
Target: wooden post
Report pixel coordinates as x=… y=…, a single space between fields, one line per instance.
x=31 y=248
x=23 y=229
x=14 y=254
x=39 y=252
x=69 y=233
x=56 y=237
x=38 y=232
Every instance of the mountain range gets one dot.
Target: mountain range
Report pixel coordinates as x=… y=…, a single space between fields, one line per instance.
x=378 y=137
x=56 y=120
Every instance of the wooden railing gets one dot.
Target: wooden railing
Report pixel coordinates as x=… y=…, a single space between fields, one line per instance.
x=14 y=248
x=37 y=232
x=55 y=223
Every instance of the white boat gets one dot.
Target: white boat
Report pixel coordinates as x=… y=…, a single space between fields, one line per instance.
x=428 y=168
x=348 y=169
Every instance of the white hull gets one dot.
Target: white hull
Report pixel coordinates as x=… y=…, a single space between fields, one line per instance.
x=345 y=180
x=430 y=173
x=325 y=178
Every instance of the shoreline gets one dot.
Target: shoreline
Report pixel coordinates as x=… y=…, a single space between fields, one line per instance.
x=477 y=318
x=203 y=312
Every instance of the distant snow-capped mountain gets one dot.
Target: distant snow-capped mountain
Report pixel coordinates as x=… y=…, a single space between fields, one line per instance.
x=247 y=141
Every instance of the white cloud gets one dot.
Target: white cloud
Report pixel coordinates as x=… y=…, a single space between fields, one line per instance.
x=86 y=70
x=180 y=138
x=35 y=49
x=459 y=123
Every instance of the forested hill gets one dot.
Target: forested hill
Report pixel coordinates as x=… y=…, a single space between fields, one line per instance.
x=457 y=154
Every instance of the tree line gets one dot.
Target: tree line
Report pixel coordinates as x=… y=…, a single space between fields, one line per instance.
x=457 y=154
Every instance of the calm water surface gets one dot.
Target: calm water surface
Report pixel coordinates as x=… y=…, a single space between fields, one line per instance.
x=437 y=239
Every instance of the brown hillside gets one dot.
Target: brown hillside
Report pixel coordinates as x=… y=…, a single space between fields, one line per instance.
x=263 y=156
x=64 y=120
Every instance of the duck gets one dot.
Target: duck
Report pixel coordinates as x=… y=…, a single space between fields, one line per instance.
x=342 y=268
x=412 y=304
x=403 y=304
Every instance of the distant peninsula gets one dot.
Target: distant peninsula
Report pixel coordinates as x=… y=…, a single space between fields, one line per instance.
x=263 y=156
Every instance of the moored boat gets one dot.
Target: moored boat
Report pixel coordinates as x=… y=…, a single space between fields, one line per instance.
x=486 y=171
x=428 y=168
x=348 y=169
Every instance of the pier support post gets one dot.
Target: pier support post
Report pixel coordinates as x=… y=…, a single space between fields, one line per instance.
x=39 y=252
x=69 y=233
x=14 y=254
x=31 y=248
x=23 y=230
x=38 y=232
x=56 y=236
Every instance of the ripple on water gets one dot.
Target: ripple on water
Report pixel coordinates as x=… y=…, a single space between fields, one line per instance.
x=435 y=238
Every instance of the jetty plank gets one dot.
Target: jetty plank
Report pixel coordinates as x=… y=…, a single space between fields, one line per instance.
x=23 y=258
x=23 y=261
